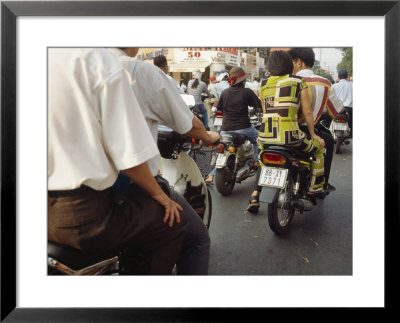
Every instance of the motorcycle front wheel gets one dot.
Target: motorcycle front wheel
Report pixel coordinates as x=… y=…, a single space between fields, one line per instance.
x=281 y=210
x=224 y=177
x=207 y=216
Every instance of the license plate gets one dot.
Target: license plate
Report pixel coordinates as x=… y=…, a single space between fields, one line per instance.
x=221 y=160
x=273 y=177
x=218 y=121
x=339 y=126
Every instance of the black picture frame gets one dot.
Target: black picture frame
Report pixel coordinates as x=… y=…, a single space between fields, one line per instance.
x=10 y=10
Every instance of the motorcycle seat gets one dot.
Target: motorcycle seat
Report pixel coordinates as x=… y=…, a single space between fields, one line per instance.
x=74 y=258
x=165 y=132
x=236 y=138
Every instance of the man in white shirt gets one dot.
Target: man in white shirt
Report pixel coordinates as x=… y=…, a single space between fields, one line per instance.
x=255 y=85
x=344 y=90
x=95 y=130
x=323 y=98
x=222 y=83
x=161 y=104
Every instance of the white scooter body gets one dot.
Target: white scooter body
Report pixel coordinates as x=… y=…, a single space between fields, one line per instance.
x=180 y=169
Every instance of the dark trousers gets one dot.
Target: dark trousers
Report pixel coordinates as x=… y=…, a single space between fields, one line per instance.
x=350 y=112
x=325 y=134
x=105 y=220
x=329 y=146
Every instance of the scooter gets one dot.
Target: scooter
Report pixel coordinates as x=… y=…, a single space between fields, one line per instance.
x=184 y=177
x=182 y=172
x=340 y=130
x=234 y=162
x=285 y=178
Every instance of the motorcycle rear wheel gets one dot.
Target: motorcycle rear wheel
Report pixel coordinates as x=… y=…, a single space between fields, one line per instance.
x=281 y=211
x=339 y=142
x=224 y=179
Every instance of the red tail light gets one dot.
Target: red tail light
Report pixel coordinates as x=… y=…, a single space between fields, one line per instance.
x=221 y=148
x=271 y=158
x=341 y=119
x=220 y=114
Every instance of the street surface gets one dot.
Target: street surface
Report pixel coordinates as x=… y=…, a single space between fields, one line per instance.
x=318 y=243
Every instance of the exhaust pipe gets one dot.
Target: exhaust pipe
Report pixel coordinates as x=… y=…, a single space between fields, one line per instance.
x=303 y=205
x=242 y=174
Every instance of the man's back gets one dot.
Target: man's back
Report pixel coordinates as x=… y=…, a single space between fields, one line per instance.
x=157 y=97
x=88 y=94
x=322 y=95
x=344 y=90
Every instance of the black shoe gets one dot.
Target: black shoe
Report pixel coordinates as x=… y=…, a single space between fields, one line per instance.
x=329 y=188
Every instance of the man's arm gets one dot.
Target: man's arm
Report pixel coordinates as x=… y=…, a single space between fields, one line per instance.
x=334 y=105
x=198 y=131
x=308 y=115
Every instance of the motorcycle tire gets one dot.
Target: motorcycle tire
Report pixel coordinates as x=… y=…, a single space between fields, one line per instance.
x=224 y=179
x=280 y=224
x=207 y=216
x=339 y=142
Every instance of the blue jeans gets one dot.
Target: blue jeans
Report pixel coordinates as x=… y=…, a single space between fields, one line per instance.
x=204 y=113
x=251 y=134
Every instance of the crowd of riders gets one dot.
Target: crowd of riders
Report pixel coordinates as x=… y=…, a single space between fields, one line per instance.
x=103 y=111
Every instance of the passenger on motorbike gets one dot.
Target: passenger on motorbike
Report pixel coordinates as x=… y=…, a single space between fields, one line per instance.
x=344 y=89
x=234 y=103
x=281 y=94
x=196 y=87
x=323 y=98
x=95 y=128
x=162 y=104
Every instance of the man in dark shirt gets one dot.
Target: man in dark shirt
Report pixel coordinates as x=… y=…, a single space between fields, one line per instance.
x=234 y=102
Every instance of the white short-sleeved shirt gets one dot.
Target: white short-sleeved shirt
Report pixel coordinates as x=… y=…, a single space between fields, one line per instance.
x=344 y=90
x=95 y=125
x=322 y=95
x=158 y=98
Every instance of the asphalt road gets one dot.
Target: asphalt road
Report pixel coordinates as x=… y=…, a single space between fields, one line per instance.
x=318 y=243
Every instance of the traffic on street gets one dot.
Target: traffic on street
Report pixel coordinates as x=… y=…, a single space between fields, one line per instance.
x=200 y=161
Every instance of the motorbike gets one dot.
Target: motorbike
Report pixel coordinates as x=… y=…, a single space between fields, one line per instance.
x=183 y=176
x=285 y=178
x=217 y=117
x=182 y=172
x=234 y=161
x=340 y=130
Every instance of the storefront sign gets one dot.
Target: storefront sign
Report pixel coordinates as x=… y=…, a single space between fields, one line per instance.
x=149 y=54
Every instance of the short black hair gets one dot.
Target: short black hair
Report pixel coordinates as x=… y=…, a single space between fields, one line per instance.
x=342 y=74
x=306 y=54
x=160 y=61
x=279 y=63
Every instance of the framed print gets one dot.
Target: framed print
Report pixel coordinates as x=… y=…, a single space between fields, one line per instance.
x=28 y=28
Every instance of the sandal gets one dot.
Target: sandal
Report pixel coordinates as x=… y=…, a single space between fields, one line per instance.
x=209 y=179
x=254 y=206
